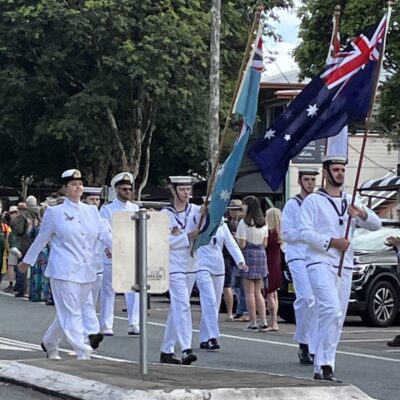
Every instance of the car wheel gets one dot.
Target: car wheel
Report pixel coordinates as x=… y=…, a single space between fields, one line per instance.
x=287 y=313
x=382 y=305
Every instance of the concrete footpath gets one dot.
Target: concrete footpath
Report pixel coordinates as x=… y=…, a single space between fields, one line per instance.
x=106 y=380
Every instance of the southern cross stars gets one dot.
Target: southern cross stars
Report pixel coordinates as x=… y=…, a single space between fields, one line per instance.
x=287 y=137
x=224 y=195
x=269 y=134
x=312 y=110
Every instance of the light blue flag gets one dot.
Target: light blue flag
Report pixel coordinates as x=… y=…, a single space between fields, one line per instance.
x=246 y=105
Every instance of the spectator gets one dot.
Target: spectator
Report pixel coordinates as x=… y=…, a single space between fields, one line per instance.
x=252 y=236
x=274 y=265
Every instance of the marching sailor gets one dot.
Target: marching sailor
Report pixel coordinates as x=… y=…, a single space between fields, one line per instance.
x=183 y=221
x=123 y=184
x=210 y=277
x=305 y=307
x=73 y=229
x=323 y=220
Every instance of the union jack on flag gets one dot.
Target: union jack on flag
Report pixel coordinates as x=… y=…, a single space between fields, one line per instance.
x=340 y=94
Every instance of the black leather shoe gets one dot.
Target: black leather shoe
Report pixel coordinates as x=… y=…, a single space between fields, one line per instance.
x=304 y=355
x=213 y=345
x=43 y=347
x=204 y=346
x=95 y=340
x=19 y=294
x=328 y=375
x=169 y=358
x=188 y=357
x=317 y=376
x=395 y=342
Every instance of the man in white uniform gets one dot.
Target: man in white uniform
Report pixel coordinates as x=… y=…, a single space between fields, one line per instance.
x=305 y=307
x=123 y=184
x=91 y=324
x=183 y=221
x=323 y=220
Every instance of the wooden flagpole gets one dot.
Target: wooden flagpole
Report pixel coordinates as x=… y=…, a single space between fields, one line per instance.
x=333 y=53
x=366 y=129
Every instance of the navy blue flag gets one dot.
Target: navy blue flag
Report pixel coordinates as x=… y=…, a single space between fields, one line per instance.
x=342 y=93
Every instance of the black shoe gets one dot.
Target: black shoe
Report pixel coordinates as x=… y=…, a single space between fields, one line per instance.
x=95 y=340
x=304 y=355
x=49 y=303
x=328 y=375
x=213 y=345
x=204 y=346
x=169 y=358
x=188 y=357
x=395 y=342
x=43 y=347
x=19 y=294
x=317 y=376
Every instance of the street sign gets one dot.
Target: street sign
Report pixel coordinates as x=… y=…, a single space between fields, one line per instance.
x=125 y=250
x=312 y=153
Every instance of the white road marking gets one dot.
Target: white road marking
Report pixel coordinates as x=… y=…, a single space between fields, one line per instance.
x=364 y=340
x=13 y=348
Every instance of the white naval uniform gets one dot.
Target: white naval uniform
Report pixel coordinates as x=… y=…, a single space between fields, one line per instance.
x=179 y=322
x=107 y=294
x=305 y=307
x=319 y=222
x=91 y=323
x=210 y=278
x=73 y=229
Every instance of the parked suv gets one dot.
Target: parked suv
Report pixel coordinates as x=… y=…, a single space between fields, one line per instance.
x=375 y=292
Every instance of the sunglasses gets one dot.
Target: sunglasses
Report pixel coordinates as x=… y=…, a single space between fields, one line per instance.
x=126 y=189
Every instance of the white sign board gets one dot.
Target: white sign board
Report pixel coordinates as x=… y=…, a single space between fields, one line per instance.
x=124 y=253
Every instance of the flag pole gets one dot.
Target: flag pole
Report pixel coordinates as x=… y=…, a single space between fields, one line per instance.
x=250 y=40
x=332 y=54
x=366 y=129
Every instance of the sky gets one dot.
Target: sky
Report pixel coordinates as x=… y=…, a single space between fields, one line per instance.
x=287 y=27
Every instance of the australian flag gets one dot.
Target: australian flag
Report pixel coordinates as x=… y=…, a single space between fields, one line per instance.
x=246 y=105
x=342 y=93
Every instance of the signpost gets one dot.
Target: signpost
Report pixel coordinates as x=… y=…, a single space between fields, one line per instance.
x=140 y=259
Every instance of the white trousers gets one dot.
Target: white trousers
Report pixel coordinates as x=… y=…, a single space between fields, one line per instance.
x=332 y=294
x=305 y=306
x=179 y=320
x=91 y=324
x=210 y=288
x=107 y=300
x=69 y=298
x=132 y=305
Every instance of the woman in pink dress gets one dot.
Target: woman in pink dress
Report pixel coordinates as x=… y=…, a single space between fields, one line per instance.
x=274 y=265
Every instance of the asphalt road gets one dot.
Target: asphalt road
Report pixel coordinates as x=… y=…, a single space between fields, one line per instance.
x=363 y=360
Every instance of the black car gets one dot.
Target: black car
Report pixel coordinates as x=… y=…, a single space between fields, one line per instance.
x=375 y=292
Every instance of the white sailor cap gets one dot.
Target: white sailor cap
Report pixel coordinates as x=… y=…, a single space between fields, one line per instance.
x=71 y=175
x=181 y=180
x=122 y=178
x=308 y=171
x=92 y=191
x=333 y=159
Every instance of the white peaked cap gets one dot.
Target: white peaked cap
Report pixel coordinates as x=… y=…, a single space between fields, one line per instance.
x=92 y=191
x=71 y=174
x=308 y=170
x=122 y=177
x=334 y=159
x=181 y=180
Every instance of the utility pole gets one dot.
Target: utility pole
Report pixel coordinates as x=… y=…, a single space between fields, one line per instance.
x=213 y=138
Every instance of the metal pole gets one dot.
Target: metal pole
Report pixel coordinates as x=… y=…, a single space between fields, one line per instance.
x=141 y=247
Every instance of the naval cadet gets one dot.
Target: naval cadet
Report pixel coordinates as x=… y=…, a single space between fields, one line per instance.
x=323 y=219
x=73 y=228
x=123 y=185
x=91 y=324
x=183 y=221
x=305 y=307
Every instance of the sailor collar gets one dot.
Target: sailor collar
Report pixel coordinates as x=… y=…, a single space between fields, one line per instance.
x=176 y=214
x=343 y=208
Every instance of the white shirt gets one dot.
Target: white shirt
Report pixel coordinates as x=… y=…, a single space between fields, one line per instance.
x=180 y=224
x=251 y=234
x=294 y=246
x=210 y=256
x=319 y=222
x=108 y=210
x=73 y=229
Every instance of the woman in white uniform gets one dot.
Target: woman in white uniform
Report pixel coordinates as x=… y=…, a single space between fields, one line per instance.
x=73 y=228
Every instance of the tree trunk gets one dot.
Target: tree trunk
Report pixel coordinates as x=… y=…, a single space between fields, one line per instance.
x=145 y=174
x=214 y=81
x=114 y=129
